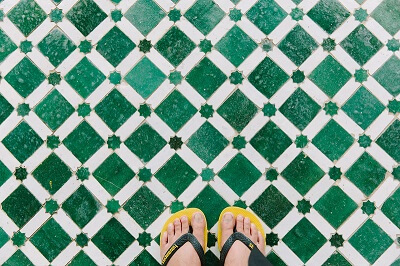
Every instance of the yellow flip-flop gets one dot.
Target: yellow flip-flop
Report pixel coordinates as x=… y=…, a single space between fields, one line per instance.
x=236 y=235
x=188 y=237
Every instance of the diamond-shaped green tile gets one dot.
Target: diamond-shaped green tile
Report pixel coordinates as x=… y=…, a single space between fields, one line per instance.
x=5 y=173
x=271 y=206
x=52 y=173
x=207 y=142
x=330 y=76
x=176 y=175
x=237 y=110
x=363 y=107
x=113 y=174
x=175 y=110
x=268 y=77
x=304 y=240
x=275 y=260
x=205 y=15
x=389 y=75
x=211 y=203
x=18 y=258
x=7 y=46
x=86 y=15
x=335 y=206
x=115 y=109
x=378 y=241
x=270 y=141
x=115 y=46
x=5 y=109
x=144 y=216
x=361 y=44
x=144 y=259
x=302 y=173
x=145 y=142
x=85 y=77
x=239 y=174
x=298 y=45
x=389 y=140
x=266 y=15
x=329 y=14
x=25 y=77
x=366 y=173
x=175 y=46
x=387 y=14
x=145 y=77
x=82 y=259
x=50 y=239
x=391 y=208
x=333 y=140
x=21 y=206
x=27 y=15
x=56 y=46
x=83 y=142
x=144 y=15
x=300 y=109
x=54 y=109
x=236 y=46
x=22 y=142
x=113 y=239
x=3 y=237
x=206 y=78
x=81 y=206
x=336 y=259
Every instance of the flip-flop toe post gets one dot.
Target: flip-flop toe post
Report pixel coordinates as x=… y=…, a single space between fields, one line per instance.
x=188 y=237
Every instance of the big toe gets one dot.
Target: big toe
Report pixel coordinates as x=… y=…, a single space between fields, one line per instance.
x=227 y=226
x=198 y=224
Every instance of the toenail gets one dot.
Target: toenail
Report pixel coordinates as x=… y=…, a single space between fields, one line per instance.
x=228 y=217
x=197 y=216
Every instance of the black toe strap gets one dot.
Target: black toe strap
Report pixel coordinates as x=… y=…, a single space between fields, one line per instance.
x=188 y=237
x=228 y=244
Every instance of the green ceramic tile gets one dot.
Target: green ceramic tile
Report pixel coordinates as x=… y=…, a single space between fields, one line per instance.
x=236 y=46
x=5 y=109
x=238 y=110
x=25 y=77
x=335 y=206
x=302 y=173
x=52 y=173
x=5 y=173
x=176 y=175
x=328 y=14
x=113 y=239
x=17 y=259
x=333 y=140
x=363 y=107
x=7 y=46
x=151 y=142
x=27 y=15
x=50 y=239
x=304 y=239
x=113 y=174
x=82 y=259
x=81 y=206
x=207 y=142
x=300 y=109
x=336 y=259
x=388 y=15
x=83 y=142
x=370 y=240
x=275 y=260
x=366 y=173
x=361 y=44
x=391 y=208
x=205 y=15
x=330 y=76
x=144 y=259
x=115 y=110
x=3 y=238
x=206 y=78
x=388 y=75
x=389 y=141
x=144 y=15
x=266 y=15
x=271 y=206
x=239 y=174
x=268 y=77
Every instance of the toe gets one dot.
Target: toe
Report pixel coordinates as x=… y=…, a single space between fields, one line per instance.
x=227 y=225
x=261 y=243
x=239 y=224
x=198 y=223
x=247 y=226
x=170 y=232
x=178 y=226
x=253 y=233
x=164 y=239
x=185 y=224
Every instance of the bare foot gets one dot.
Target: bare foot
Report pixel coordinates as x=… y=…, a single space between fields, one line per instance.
x=186 y=255
x=239 y=253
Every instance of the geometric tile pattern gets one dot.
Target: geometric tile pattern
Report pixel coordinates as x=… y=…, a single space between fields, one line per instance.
x=116 y=113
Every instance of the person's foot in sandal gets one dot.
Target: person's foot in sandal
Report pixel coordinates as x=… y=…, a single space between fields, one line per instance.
x=186 y=254
x=239 y=254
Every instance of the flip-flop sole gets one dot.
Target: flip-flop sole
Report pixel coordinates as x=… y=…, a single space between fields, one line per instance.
x=236 y=211
x=188 y=213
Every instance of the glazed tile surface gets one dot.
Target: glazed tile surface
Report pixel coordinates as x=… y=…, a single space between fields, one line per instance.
x=116 y=113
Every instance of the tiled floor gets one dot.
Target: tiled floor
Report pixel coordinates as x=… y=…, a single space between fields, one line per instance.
x=113 y=114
